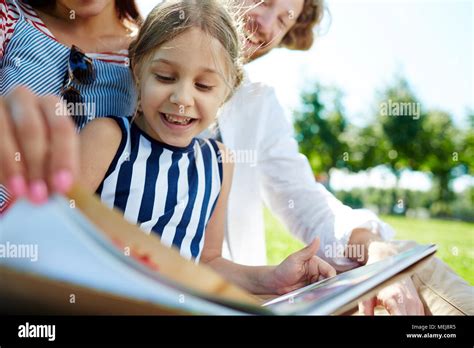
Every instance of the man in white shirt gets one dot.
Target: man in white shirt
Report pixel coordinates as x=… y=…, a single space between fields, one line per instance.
x=269 y=168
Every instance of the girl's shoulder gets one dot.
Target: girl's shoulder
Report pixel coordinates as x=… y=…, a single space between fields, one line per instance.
x=222 y=148
x=223 y=155
x=109 y=132
x=102 y=142
x=110 y=126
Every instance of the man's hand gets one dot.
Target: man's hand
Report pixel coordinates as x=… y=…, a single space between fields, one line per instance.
x=400 y=298
x=300 y=269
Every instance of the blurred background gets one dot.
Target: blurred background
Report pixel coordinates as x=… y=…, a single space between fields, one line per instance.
x=383 y=107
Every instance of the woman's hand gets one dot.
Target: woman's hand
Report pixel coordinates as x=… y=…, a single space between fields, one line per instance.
x=39 y=153
x=300 y=269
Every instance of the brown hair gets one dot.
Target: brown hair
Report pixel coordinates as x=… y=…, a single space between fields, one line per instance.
x=301 y=36
x=173 y=17
x=126 y=9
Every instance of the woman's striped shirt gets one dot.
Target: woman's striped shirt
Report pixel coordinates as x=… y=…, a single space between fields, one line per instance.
x=168 y=190
x=32 y=57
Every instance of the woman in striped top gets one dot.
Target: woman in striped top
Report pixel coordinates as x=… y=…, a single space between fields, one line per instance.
x=35 y=43
x=152 y=166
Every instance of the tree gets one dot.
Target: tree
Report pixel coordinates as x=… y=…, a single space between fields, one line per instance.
x=398 y=125
x=367 y=147
x=441 y=144
x=401 y=117
x=466 y=155
x=319 y=129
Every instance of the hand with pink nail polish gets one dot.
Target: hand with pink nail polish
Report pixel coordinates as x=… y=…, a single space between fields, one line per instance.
x=40 y=148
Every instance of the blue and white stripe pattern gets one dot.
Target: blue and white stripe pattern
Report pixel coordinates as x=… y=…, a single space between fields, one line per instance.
x=5 y=198
x=34 y=59
x=169 y=190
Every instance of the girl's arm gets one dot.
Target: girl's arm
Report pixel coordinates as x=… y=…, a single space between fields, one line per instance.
x=247 y=277
x=99 y=142
x=297 y=270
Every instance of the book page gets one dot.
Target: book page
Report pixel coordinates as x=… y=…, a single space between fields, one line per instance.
x=57 y=242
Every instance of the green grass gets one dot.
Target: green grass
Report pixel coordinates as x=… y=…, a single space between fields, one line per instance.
x=455 y=240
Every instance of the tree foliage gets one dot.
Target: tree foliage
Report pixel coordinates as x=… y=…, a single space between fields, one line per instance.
x=402 y=135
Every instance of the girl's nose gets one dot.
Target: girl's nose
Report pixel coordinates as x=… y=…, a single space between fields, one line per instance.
x=182 y=96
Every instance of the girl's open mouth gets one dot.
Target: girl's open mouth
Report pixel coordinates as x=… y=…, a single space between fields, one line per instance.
x=177 y=122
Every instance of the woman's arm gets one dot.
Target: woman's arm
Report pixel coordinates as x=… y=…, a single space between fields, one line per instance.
x=99 y=142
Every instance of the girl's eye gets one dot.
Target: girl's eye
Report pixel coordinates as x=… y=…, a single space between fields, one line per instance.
x=164 y=78
x=203 y=87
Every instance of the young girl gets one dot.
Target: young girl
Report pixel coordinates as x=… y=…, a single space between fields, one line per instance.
x=186 y=63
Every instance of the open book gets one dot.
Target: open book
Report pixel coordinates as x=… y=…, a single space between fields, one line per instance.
x=74 y=255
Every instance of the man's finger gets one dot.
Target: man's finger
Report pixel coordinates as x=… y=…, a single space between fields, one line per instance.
x=309 y=251
x=325 y=269
x=319 y=269
x=367 y=307
x=393 y=307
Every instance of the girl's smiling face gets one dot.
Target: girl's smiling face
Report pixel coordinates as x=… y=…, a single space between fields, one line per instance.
x=182 y=85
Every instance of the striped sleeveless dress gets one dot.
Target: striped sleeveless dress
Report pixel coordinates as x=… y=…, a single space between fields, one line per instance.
x=168 y=190
x=32 y=57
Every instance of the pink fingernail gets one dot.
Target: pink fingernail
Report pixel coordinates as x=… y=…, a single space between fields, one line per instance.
x=38 y=192
x=62 y=181
x=17 y=186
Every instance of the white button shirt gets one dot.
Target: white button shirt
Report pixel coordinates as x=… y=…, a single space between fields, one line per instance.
x=270 y=169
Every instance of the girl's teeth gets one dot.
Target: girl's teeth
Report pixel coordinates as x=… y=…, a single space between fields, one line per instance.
x=178 y=120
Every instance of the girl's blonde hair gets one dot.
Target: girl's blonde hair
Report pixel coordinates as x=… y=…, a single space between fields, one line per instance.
x=171 y=18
